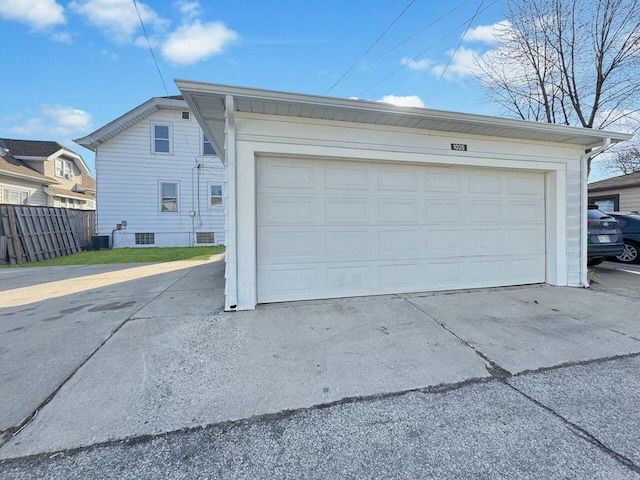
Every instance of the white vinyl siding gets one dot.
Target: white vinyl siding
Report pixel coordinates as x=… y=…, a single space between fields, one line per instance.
x=261 y=137
x=128 y=177
x=337 y=228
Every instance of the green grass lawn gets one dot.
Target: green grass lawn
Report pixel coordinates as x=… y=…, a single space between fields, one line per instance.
x=129 y=255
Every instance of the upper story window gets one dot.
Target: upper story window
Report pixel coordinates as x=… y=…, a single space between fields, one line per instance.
x=64 y=168
x=161 y=137
x=186 y=115
x=215 y=192
x=207 y=148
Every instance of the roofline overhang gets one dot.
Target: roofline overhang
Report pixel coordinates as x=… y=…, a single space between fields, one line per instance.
x=579 y=136
x=111 y=129
x=41 y=181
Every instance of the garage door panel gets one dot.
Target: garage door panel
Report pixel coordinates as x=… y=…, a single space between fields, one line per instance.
x=347 y=178
x=444 y=210
x=371 y=228
x=287 y=210
x=348 y=244
x=526 y=185
x=297 y=175
x=404 y=243
x=487 y=183
x=403 y=179
x=401 y=210
x=347 y=210
x=486 y=211
x=443 y=180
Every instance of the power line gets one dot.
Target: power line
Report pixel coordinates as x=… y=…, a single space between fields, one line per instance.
x=409 y=61
x=410 y=37
x=370 y=47
x=455 y=51
x=153 y=55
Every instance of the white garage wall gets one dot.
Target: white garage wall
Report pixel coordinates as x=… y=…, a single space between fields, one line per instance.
x=283 y=136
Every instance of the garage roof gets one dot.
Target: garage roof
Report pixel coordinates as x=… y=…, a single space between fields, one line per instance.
x=208 y=102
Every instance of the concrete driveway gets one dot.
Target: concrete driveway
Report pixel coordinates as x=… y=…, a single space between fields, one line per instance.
x=173 y=362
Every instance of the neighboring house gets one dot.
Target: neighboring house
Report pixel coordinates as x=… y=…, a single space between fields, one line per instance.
x=158 y=177
x=332 y=197
x=36 y=172
x=617 y=194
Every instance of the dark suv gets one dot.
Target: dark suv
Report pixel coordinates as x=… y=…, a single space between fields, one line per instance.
x=604 y=238
x=630 y=226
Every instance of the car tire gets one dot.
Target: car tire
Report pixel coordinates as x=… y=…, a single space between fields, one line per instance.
x=592 y=262
x=631 y=253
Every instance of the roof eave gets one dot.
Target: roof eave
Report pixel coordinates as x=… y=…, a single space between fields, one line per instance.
x=111 y=129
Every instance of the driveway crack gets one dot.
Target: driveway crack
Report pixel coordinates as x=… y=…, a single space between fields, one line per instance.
x=8 y=434
x=579 y=431
x=492 y=367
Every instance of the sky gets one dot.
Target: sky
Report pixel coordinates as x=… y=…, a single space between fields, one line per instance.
x=70 y=67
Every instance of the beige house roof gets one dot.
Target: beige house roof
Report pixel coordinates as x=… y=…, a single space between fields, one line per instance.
x=623 y=181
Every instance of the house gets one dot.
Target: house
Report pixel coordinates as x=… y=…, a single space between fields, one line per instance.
x=617 y=194
x=45 y=173
x=160 y=182
x=332 y=197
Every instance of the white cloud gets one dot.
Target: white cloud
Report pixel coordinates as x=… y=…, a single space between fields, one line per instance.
x=55 y=121
x=62 y=37
x=408 y=101
x=462 y=65
x=417 y=64
x=118 y=18
x=38 y=14
x=191 y=43
x=488 y=34
x=189 y=10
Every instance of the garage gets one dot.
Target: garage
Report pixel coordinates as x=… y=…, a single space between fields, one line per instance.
x=339 y=228
x=332 y=197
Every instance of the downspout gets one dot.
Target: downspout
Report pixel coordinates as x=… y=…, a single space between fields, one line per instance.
x=606 y=143
x=231 y=301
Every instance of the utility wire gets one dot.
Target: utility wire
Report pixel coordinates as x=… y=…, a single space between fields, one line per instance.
x=412 y=36
x=404 y=64
x=153 y=55
x=370 y=47
x=454 y=52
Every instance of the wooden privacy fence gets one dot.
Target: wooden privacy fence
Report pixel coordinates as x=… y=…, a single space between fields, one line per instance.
x=29 y=234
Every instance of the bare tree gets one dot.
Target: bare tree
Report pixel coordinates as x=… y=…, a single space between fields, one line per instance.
x=625 y=161
x=572 y=62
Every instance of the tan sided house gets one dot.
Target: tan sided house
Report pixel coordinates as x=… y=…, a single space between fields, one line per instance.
x=45 y=173
x=617 y=194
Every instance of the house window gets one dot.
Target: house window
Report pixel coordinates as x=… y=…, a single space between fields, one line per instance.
x=64 y=168
x=168 y=197
x=207 y=148
x=186 y=115
x=606 y=203
x=215 y=193
x=204 y=237
x=15 y=197
x=145 y=238
x=161 y=138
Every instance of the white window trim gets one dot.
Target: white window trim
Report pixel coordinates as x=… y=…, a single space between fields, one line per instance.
x=153 y=138
x=215 y=184
x=65 y=163
x=8 y=190
x=177 y=183
x=202 y=136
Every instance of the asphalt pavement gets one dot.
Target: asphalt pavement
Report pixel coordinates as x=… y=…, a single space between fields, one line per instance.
x=523 y=382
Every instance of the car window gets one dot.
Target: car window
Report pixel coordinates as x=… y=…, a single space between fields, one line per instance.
x=595 y=214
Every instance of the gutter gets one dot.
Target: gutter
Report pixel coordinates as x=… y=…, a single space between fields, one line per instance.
x=584 y=197
x=231 y=256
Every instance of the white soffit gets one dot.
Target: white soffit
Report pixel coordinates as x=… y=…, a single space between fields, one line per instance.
x=207 y=101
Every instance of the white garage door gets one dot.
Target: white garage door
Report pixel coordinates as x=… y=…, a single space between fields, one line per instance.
x=336 y=228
